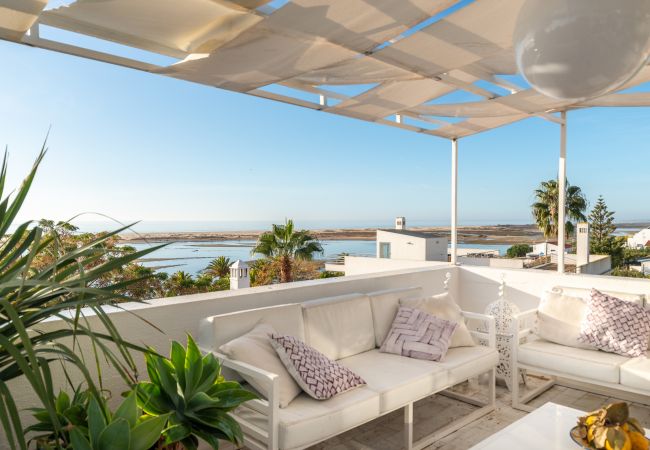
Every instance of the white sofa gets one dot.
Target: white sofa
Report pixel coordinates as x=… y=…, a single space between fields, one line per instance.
x=609 y=373
x=349 y=329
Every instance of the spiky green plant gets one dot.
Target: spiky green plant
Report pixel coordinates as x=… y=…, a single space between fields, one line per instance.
x=66 y=289
x=192 y=389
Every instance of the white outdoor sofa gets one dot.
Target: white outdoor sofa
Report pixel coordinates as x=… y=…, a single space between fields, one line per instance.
x=349 y=329
x=606 y=373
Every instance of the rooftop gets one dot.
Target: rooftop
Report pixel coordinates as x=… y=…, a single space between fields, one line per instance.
x=413 y=233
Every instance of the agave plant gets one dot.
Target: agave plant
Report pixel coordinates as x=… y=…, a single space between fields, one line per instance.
x=90 y=425
x=192 y=389
x=64 y=288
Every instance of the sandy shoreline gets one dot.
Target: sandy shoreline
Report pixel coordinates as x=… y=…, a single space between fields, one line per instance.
x=493 y=234
x=484 y=234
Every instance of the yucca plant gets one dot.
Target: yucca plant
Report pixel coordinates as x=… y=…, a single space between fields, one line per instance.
x=64 y=288
x=192 y=389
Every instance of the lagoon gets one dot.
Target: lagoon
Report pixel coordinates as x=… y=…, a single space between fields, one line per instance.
x=194 y=256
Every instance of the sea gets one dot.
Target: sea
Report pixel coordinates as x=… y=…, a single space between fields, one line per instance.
x=194 y=256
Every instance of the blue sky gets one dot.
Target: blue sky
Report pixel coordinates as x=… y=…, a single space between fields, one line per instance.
x=137 y=146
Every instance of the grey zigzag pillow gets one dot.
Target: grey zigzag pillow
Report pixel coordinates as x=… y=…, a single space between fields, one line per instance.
x=317 y=375
x=616 y=326
x=419 y=335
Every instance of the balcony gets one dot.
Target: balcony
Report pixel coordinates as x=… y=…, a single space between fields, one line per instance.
x=474 y=287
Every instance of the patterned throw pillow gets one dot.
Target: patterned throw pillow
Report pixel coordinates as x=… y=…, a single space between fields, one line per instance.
x=317 y=375
x=419 y=335
x=616 y=326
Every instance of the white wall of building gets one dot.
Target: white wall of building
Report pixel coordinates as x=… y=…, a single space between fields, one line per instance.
x=404 y=246
x=639 y=239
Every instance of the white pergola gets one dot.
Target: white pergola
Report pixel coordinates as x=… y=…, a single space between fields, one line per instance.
x=402 y=58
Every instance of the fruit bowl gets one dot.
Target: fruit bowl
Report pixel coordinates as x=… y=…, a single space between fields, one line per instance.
x=610 y=428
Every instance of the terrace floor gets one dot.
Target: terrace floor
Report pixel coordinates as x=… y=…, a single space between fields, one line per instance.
x=437 y=411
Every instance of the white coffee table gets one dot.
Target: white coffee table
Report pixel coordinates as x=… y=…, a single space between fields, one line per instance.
x=546 y=428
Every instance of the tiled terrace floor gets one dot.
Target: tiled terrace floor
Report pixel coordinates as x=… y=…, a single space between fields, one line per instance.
x=435 y=412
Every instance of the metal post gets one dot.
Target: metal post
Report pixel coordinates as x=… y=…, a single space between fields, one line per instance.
x=561 y=219
x=454 y=201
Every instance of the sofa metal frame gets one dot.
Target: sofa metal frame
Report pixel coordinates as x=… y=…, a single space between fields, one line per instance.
x=258 y=438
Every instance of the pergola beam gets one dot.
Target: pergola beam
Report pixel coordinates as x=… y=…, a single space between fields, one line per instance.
x=454 y=201
x=561 y=214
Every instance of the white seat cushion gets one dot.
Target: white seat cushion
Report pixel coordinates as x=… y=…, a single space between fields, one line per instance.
x=588 y=364
x=339 y=326
x=307 y=421
x=635 y=373
x=384 y=306
x=398 y=380
x=463 y=363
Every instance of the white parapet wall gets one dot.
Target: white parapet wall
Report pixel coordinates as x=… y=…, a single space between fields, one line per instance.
x=480 y=285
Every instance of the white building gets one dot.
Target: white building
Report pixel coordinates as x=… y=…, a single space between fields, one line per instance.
x=640 y=239
x=411 y=245
x=546 y=248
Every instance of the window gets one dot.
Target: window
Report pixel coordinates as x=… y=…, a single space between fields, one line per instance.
x=384 y=249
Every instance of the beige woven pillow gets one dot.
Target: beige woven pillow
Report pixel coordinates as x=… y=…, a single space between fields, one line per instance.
x=444 y=307
x=255 y=348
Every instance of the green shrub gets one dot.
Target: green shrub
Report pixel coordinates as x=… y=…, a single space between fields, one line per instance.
x=518 y=250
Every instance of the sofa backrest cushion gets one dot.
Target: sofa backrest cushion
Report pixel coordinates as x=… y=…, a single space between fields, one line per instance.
x=340 y=326
x=559 y=318
x=215 y=331
x=585 y=294
x=384 y=306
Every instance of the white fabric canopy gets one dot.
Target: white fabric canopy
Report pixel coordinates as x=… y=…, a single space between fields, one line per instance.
x=410 y=54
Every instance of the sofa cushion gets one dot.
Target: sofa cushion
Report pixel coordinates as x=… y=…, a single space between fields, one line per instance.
x=397 y=379
x=578 y=362
x=317 y=375
x=463 y=363
x=416 y=334
x=215 y=331
x=384 y=306
x=255 y=348
x=444 y=306
x=560 y=317
x=616 y=325
x=339 y=326
x=585 y=294
x=307 y=421
x=635 y=373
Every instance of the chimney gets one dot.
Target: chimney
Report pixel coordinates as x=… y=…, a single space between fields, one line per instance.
x=400 y=223
x=582 y=244
x=239 y=275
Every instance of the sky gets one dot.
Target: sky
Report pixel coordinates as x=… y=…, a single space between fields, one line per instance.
x=137 y=146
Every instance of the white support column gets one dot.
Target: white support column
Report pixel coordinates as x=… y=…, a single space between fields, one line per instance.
x=454 y=201
x=561 y=219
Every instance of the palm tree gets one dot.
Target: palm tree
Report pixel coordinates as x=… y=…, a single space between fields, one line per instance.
x=285 y=245
x=545 y=208
x=218 y=267
x=180 y=283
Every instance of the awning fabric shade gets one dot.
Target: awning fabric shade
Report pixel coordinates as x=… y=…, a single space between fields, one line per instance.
x=409 y=54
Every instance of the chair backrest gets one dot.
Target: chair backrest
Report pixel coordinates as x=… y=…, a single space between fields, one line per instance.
x=384 y=305
x=339 y=326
